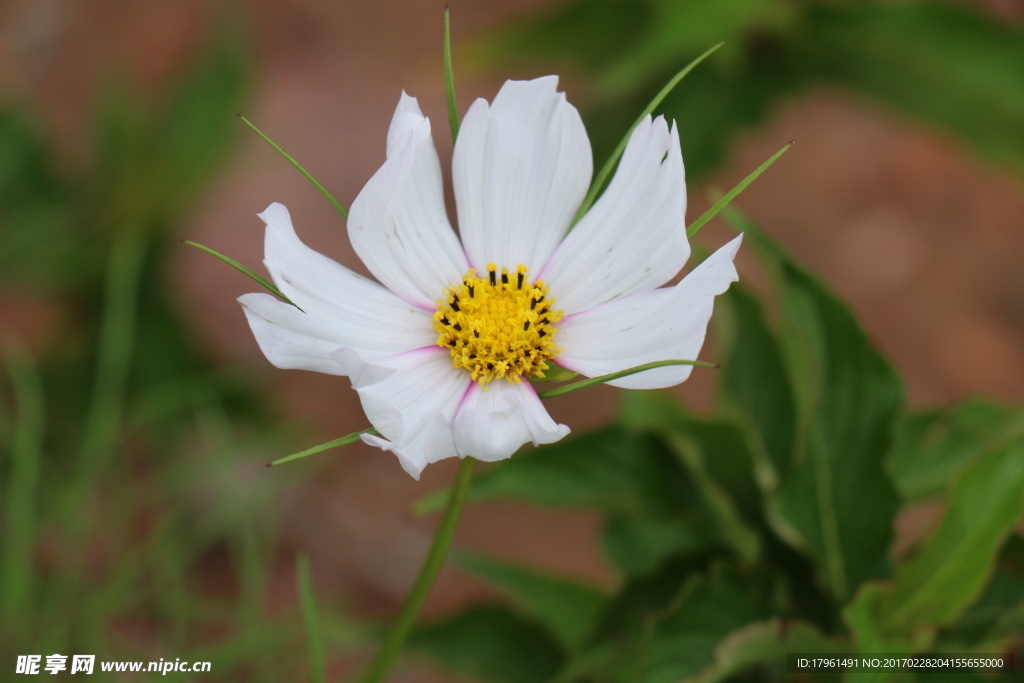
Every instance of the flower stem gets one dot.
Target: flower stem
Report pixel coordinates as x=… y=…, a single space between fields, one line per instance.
x=392 y=646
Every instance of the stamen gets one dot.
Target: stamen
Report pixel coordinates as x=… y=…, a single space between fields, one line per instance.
x=493 y=330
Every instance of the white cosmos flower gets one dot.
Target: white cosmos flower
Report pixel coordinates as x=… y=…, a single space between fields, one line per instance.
x=438 y=349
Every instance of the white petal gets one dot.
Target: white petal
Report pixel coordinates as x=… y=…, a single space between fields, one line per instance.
x=494 y=421
x=411 y=399
x=289 y=338
x=663 y=324
x=341 y=307
x=398 y=224
x=521 y=168
x=634 y=237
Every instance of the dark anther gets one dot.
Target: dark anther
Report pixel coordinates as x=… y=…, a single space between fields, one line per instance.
x=526 y=326
x=455 y=304
x=533 y=303
x=470 y=288
x=458 y=327
x=504 y=278
x=444 y=321
x=490 y=366
x=543 y=321
x=542 y=333
x=476 y=333
x=494 y=280
x=521 y=276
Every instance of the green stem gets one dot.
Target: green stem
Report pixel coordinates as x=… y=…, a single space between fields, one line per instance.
x=392 y=646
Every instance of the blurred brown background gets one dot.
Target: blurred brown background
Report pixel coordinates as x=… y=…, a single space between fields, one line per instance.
x=925 y=240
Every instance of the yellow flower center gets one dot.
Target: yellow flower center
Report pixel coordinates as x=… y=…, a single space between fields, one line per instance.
x=498 y=326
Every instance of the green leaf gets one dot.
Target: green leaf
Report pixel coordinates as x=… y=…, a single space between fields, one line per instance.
x=836 y=502
x=754 y=387
x=685 y=640
x=566 y=607
x=995 y=618
x=491 y=644
x=935 y=588
x=765 y=644
x=609 y=471
x=984 y=505
x=716 y=458
x=639 y=545
x=931 y=447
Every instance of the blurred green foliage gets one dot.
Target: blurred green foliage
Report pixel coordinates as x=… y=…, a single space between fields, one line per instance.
x=127 y=458
x=943 y=63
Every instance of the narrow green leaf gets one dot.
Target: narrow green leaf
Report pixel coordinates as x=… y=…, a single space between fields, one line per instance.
x=567 y=607
x=601 y=379
x=734 y=192
x=609 y=165
x=341 y=441
x=310 y=620
x=264 y=282
x=449 y=78
x=491 y=644
x=26 y=461
x=316 y=183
